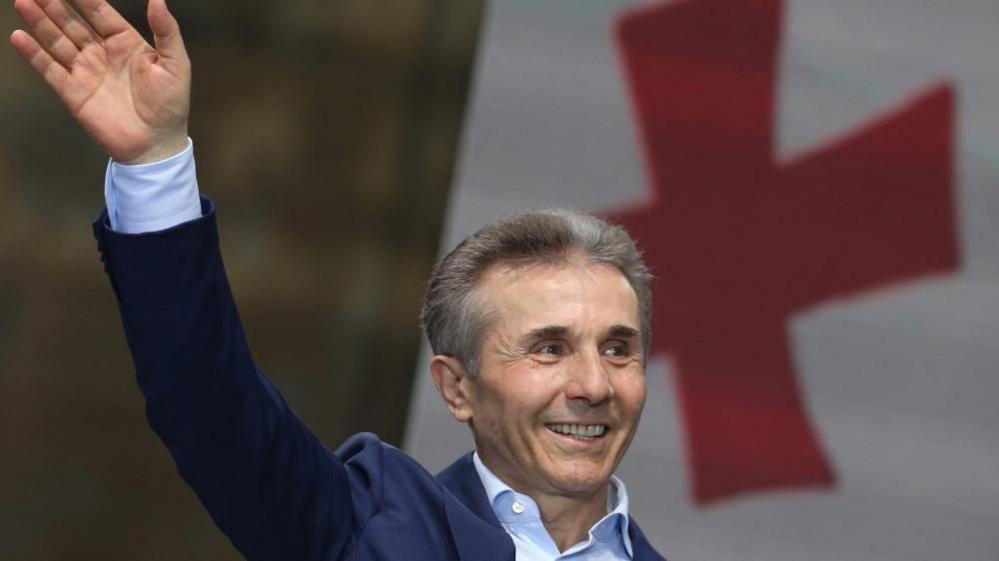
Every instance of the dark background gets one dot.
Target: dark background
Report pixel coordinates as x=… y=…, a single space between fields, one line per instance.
x=326 y=132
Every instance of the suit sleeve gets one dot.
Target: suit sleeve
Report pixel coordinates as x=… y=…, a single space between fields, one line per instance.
x=266 y=480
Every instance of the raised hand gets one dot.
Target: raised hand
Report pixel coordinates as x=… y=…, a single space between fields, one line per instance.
x=132 y=99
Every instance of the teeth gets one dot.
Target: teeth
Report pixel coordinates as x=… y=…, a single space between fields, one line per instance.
x=585 y=432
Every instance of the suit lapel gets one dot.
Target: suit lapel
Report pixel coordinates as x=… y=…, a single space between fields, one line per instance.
x=476 y=531
x=640 y=545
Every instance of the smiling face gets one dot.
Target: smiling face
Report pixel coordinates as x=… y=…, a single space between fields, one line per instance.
x=561 y=384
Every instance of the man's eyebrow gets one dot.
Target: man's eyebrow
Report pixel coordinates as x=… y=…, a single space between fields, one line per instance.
x=561 y=332
x=622 y=332
x=545 y=332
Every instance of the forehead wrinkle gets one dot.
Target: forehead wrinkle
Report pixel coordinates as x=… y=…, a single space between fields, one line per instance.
x=505 y=277
x=544 y=274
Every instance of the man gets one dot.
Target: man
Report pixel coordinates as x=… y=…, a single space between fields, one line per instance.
x=539 y=324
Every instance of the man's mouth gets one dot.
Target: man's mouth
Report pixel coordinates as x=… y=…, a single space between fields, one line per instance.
x=582 y=432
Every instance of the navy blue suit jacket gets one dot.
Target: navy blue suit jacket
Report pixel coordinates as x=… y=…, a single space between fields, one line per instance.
x=266 y=480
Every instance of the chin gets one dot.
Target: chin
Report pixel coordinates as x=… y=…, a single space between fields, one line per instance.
x=576 y=482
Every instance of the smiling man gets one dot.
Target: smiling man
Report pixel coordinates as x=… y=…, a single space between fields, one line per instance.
x=540 y=324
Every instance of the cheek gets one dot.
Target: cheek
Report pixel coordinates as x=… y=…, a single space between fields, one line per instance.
x=514 y=397
x=530 y=385
x=632 y=392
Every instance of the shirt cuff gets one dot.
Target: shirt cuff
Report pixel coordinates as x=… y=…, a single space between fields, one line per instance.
x=152 y=197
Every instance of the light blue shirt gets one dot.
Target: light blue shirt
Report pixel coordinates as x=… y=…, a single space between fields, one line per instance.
x=156 y=196
x=519 y=515
x=152 y=197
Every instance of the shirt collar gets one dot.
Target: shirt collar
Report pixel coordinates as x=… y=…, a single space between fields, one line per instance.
x=500 y=494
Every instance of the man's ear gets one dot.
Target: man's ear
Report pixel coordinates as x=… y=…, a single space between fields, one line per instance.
x=448 y=373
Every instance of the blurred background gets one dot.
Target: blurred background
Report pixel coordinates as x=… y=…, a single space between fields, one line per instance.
x=326 y=132
x=349 y=143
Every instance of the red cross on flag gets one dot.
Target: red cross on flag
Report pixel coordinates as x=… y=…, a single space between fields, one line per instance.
x=816 y=187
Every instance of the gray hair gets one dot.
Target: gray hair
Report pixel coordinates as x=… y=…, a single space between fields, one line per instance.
x=454 y=317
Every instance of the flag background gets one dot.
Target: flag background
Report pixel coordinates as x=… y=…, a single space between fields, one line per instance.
x=900 y=381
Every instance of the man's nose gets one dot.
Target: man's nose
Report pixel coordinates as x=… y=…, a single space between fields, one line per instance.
x=589 y=379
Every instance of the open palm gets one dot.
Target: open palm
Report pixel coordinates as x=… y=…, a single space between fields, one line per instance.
x=132 y=99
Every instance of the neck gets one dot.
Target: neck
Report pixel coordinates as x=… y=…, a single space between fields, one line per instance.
x=569 y=519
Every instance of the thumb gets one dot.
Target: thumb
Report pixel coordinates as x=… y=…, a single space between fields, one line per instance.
x=166 y=32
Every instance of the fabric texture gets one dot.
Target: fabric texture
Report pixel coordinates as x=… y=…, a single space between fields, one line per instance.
x=275 y=490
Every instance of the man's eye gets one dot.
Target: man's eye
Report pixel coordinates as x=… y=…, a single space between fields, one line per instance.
x=616 y=350
x=552 y=349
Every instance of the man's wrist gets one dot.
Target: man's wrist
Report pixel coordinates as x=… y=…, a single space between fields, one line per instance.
x=151 y=160
x=160 y=152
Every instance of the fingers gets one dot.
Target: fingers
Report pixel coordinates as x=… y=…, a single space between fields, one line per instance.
x=53 y=72
x=69 y=22
x=165 y=30
x=105 y=20
x=48 y=33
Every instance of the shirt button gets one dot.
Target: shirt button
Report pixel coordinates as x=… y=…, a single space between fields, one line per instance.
x=518 y=508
